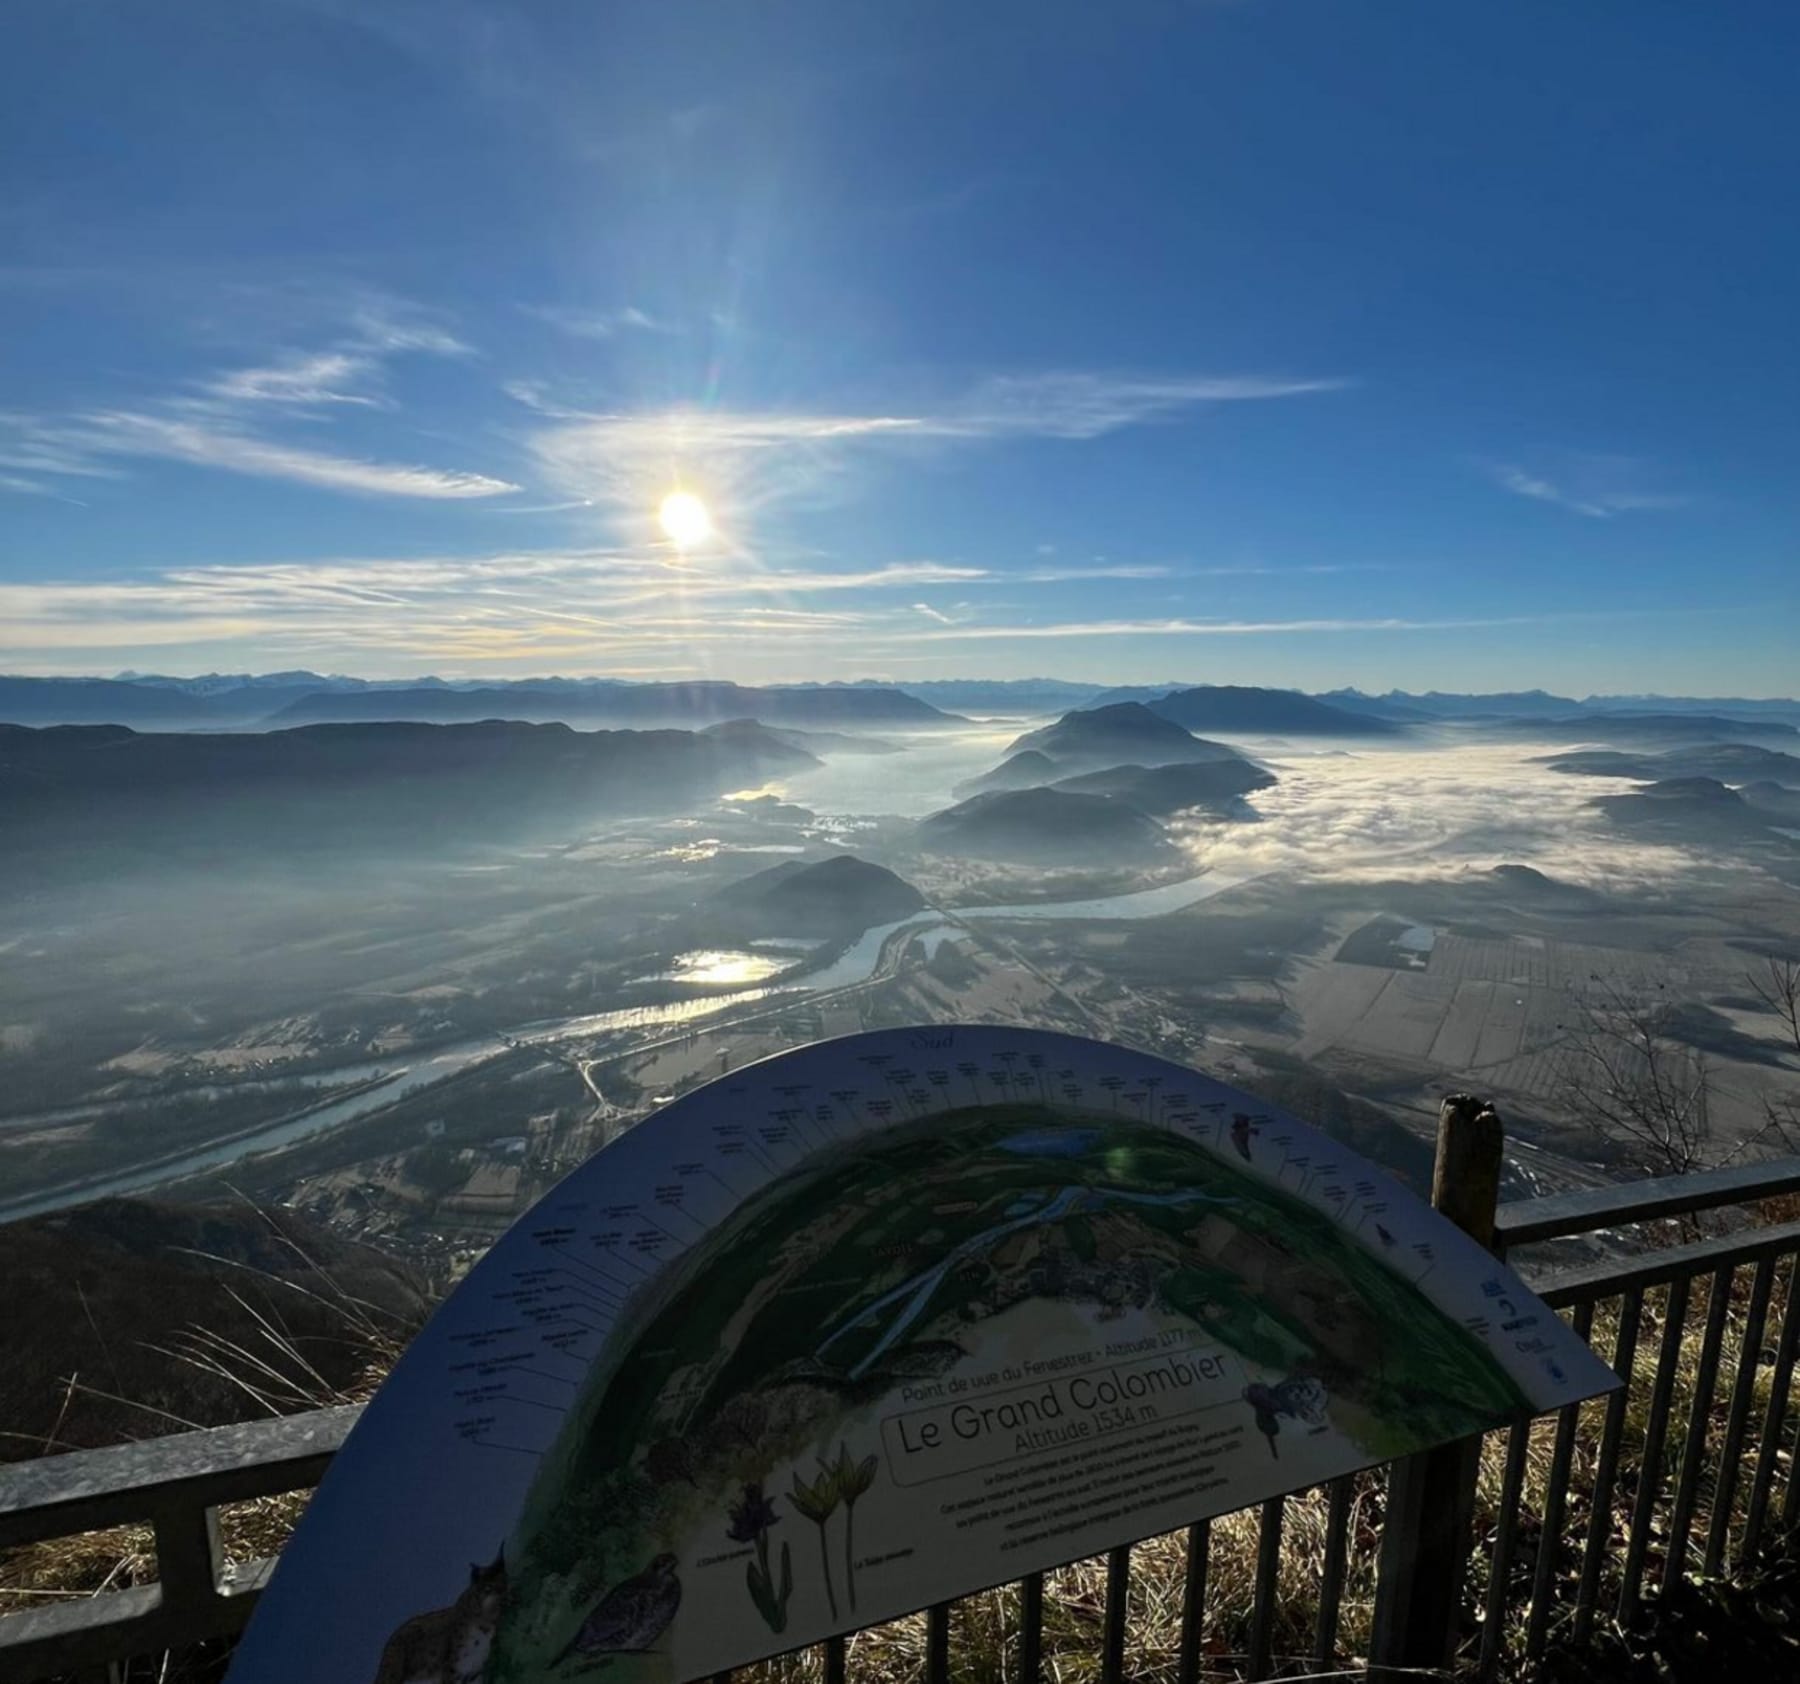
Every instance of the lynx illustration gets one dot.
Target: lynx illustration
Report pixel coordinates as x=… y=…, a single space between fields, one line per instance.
x=449 y=1645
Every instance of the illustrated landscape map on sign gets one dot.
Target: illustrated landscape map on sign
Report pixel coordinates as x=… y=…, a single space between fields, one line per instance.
x=876 y=1323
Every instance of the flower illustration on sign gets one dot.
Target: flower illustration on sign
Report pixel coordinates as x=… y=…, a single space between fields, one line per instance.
x=818 y=1502
x=853 y=1479
x=748 y=1522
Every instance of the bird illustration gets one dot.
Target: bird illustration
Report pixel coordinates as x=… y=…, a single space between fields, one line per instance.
x=631 y=1616
x=1241 y=1131
x=1299 y=1398
x=1268 y=1420
x=1303 y=1398
x=1386 y=1237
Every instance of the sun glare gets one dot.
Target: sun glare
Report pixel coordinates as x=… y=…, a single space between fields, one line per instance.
x=685 y=519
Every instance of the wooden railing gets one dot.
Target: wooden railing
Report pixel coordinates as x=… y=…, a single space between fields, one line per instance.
x=1678 y=1456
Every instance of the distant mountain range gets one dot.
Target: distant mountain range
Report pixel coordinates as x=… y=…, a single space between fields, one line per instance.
x=1731 y=763
x=1653 y=729
x=223 y=701
x=284 y=699
x=1541 y=704
x=105 y=788
x=1018 y=698
x=1250 y=710
x=648 y=704
x=1244 y=708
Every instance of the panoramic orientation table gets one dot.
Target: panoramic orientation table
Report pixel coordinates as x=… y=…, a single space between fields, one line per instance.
x=873 y=1324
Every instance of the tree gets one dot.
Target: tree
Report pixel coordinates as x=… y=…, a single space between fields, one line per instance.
x=1777 y=985
x=1644 y=1088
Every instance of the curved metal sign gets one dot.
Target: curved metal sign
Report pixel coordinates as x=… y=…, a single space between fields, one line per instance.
x=873 y=1324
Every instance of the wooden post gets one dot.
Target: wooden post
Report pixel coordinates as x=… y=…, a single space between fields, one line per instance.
x=1431 y=1496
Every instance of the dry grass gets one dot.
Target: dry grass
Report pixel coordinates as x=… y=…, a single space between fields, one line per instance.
x=275 y=1377
x=985 y=1629
x=1570 y=1542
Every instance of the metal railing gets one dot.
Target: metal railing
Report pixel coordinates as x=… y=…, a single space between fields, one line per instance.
x=176 y=1486
x=1577 y=1516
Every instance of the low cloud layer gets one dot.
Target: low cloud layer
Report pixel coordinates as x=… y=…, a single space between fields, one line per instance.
x=1410 y=813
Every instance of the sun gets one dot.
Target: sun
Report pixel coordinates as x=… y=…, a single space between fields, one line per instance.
x=685 y=519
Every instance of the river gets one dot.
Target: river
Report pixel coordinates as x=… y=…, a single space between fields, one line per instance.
x=392 y=1079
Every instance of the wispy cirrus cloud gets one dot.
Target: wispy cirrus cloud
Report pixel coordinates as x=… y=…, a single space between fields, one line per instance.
x=1598 y=486
x=459 y=606
x=227 y=420
x=590 y=609
x=1088 y=406
x=322 y=378
x=748 y=459
x=1220 y=628
x=124 y=433
x=595 y=324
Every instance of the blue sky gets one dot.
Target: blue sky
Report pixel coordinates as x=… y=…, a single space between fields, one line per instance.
x=1413 y=343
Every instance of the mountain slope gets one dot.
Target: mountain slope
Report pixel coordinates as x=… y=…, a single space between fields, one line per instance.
x=1163 y=790
x=336 y=786
x=1780 y=806
x=1045 y=827
x=1725 y=762
x=1126 y=733
x=841 y=896
x=1693 y=809
x=1246 y=708
x=1027 y=769
x=1650 y=730
x=106 y=1291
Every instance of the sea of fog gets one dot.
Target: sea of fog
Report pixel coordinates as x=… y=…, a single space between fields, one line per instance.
x=1443 y=804
x=1435 y=809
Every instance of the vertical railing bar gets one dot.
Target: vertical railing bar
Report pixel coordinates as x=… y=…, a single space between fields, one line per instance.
x=1599 y=1536
x=1193 y=1603
x=1031 y=1628
x=1555 y=1494
x=1112 y=1644
x=188 y=1554
x=1743 y=1388
x=1790 y=1499
x=1693 y=1455
x=1331 y=1575
x=837 y=1659
x=1775 y=1415
x=1262 y=1613
x=1656 y=1429
x=1493 y=1623
x=937 y=1644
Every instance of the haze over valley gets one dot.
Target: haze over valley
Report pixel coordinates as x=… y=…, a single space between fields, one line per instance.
x=400 y=976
